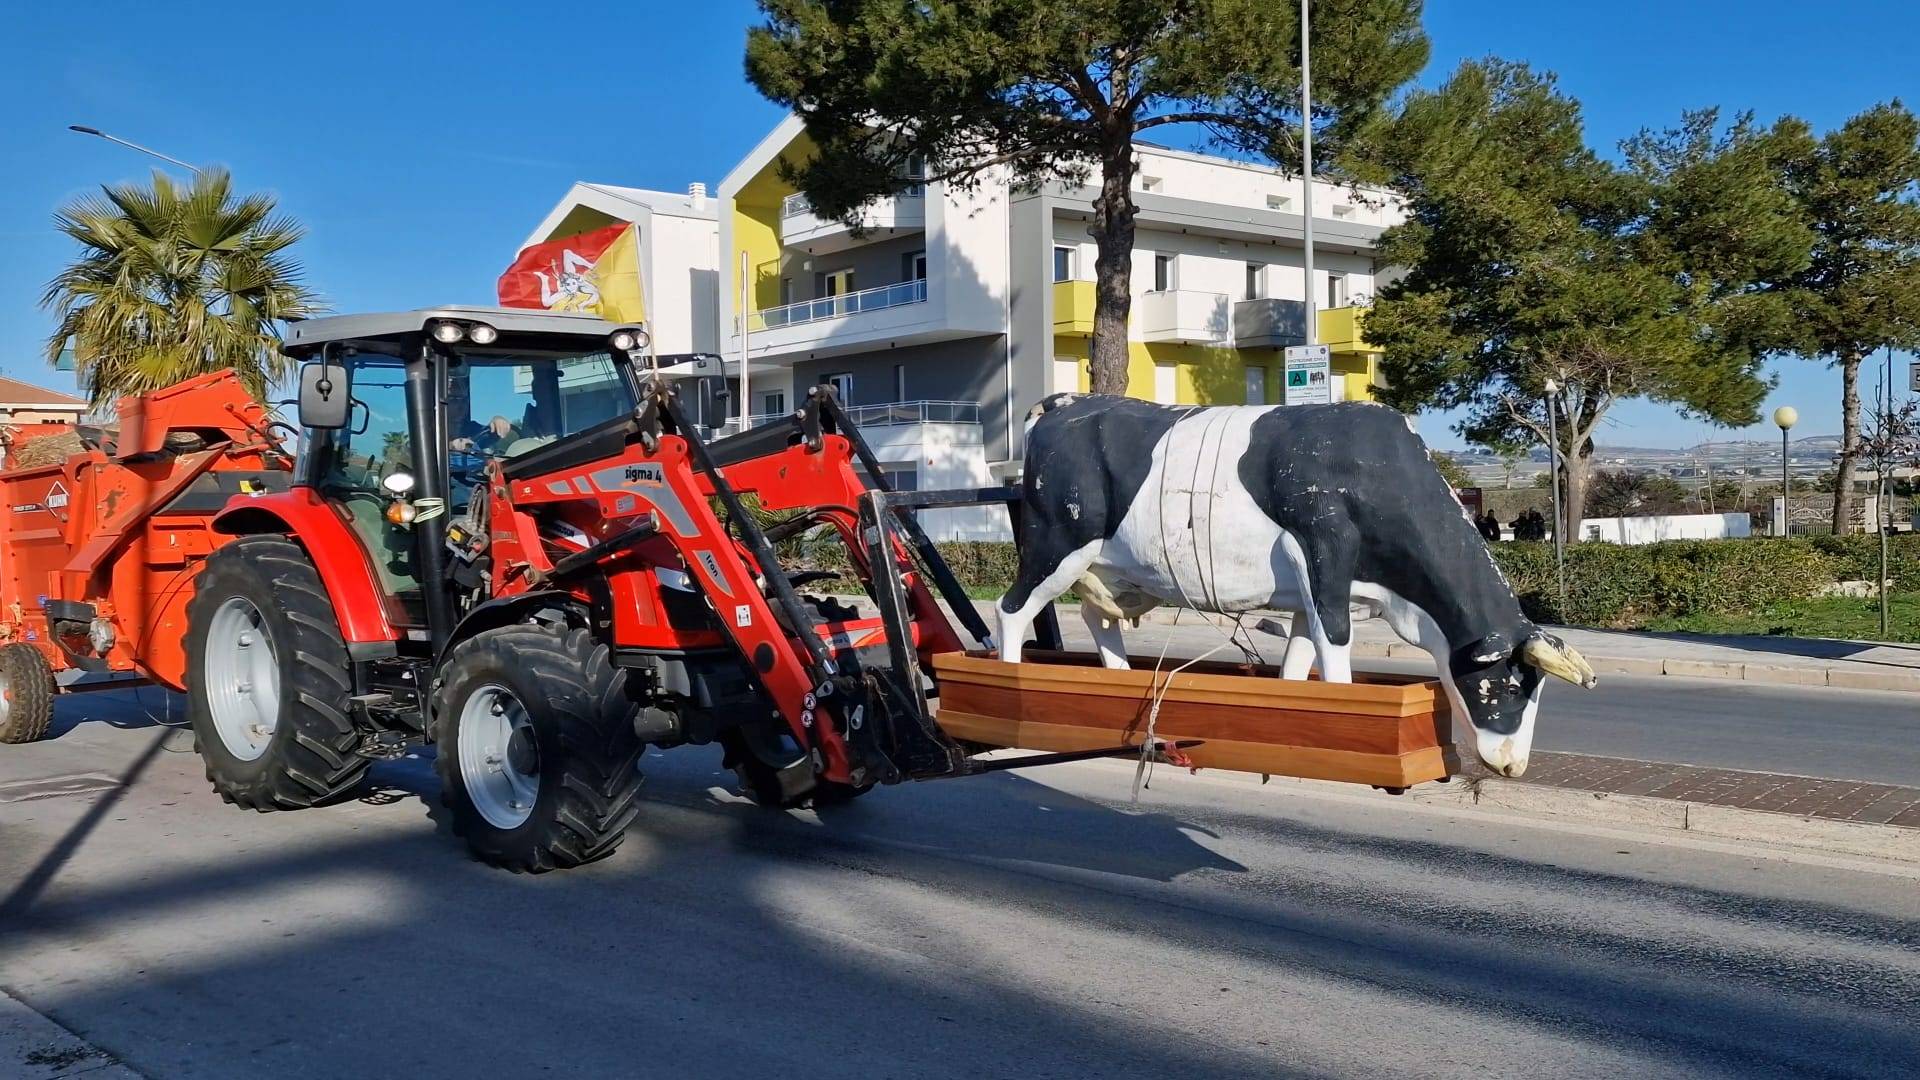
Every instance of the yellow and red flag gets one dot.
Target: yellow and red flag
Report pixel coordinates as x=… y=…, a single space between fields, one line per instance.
x=596 y=272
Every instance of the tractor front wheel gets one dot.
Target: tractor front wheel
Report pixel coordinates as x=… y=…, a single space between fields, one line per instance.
x=269 y=683
x=26 y=693
x=537 y=754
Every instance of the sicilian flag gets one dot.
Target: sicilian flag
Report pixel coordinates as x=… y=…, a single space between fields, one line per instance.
x=596 y=272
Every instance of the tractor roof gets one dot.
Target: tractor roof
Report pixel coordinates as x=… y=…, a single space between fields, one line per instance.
x=308 y=334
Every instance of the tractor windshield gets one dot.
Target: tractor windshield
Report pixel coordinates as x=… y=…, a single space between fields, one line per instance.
x=502 y=404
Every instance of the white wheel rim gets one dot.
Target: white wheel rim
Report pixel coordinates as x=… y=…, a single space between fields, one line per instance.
x=242 y=679
x=6 y=698
x=499 y=757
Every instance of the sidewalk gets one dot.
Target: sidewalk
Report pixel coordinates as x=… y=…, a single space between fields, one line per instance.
x=1854 y=665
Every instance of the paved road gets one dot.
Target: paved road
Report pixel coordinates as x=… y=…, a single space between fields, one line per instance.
x=1811 y=731
x=1012 y=925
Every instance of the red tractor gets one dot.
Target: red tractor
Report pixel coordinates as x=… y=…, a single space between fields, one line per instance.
x=504 y=536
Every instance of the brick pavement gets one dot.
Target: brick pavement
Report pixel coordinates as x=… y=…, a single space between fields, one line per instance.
x=1804 y=796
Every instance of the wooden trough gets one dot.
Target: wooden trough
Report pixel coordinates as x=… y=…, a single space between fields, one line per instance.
x=1385 y=730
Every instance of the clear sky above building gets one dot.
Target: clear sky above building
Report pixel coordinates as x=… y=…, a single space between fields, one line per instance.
x=419 y=142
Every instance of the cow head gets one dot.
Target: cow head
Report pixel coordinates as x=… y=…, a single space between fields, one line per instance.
x=1496 y=685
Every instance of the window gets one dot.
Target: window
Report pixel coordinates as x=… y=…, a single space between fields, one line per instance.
x=1336 y=290
x=1062 y=263
x=1163 y=275
x=786 y=291
x=842 y=383
x=1149 y=183
x=913 y=266
x=1255 y=286
x=836 y=283
x=1256 y=386
x=899 y=382
x=774 y=403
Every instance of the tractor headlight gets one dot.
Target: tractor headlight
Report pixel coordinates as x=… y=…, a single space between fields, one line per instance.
x=398 y=484
x=629 y=340
x=482 y=334
x=447 y=333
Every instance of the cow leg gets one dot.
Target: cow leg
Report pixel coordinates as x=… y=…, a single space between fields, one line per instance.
x=1325 y=573
x=1032 y=591
x=1107 y=638
x=1297 y=663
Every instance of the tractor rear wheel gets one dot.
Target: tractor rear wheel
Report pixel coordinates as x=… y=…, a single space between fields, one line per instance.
x=26 y=693
x=269 y=683
x=537 y=753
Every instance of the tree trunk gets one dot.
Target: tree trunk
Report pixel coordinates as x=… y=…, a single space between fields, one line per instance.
x=1579 y=470
x=1849 y=437
x=1113 y=213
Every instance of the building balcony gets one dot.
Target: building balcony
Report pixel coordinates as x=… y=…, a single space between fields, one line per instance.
x=800 y=227
x=835 y=307
x=1340 y=330
x=1269 y=323
x=1073 y=308
x=1183 y=315
x=889 y=415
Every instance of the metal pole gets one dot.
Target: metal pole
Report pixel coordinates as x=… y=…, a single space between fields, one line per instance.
x=1559 y=519
x=1786 y=489
x=746 y=318
x=97 y=133
x=1306 y=171
x=1880 y=483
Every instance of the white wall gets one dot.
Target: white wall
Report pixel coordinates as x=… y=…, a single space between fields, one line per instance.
x=681 y=246
x=1649 y=530
x=967 y=255
x=944 y=456
x=1244 y=184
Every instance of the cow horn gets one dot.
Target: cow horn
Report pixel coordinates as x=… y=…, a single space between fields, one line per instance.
x=1559 y=659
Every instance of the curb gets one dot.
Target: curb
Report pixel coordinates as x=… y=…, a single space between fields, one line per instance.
x=32 y=1047
x=1498 y=796
x=1844 y=677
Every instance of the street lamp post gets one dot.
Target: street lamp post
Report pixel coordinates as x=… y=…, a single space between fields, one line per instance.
x=98 y=134
x=1786 y=416
x=1559 y=519
x=1306 y=174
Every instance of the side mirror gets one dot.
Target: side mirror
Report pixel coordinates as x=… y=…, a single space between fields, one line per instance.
x=325 y=394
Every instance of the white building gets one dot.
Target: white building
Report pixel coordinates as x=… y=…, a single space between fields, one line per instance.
x=941 y=316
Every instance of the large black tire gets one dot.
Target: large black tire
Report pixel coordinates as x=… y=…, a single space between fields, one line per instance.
x=310 y=756
x=585 y=752
x=26 y=688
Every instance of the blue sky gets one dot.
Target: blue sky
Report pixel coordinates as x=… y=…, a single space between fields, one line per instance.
x=420 y=142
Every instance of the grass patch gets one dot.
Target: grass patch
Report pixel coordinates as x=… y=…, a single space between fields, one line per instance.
x=1827 y=617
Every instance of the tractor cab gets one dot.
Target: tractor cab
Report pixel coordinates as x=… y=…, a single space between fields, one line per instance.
x=402 y=413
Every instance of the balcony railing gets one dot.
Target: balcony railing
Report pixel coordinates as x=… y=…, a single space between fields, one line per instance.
x=831 y=307
x=891 y=414
x=794 y=205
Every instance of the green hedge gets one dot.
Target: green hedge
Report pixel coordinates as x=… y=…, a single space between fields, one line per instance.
x=1608 y=585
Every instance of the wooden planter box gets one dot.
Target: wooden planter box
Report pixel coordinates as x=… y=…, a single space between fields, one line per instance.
x=1385 y=730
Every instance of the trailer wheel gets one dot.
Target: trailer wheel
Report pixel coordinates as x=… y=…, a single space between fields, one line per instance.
x=538 y=757
x=269 y=680
x=26 y=693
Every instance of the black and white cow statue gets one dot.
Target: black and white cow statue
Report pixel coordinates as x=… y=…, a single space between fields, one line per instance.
x=1312 y=509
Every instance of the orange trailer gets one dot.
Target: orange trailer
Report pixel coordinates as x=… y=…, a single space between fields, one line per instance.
x=98 y=552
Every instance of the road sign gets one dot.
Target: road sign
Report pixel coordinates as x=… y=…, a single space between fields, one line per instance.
x=1309 y=375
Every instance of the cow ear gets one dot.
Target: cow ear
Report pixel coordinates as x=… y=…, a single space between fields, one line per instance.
x=1489 y=650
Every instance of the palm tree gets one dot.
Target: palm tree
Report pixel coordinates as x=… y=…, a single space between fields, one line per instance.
x=174 y=282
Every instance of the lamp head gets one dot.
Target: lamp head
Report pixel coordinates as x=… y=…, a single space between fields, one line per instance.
x=1786 y=416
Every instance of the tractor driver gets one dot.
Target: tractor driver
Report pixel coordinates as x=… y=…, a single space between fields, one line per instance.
x=491 y=438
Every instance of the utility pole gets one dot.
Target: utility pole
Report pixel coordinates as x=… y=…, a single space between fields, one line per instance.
x=746 y=320
x=1306 y=169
